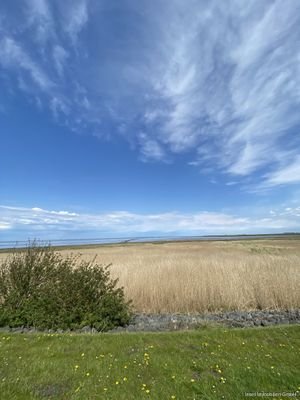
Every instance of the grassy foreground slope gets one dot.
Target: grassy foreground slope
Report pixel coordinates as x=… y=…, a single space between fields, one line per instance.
x=208 y=364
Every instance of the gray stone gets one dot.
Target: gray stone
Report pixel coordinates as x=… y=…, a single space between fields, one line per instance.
x=17 y=330
x=171 y=322
x=86 y=329
x=284 y=321
x=4 y=329
x=265 y=322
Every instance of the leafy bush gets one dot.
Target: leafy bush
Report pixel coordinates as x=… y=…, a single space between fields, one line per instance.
x=39 y=288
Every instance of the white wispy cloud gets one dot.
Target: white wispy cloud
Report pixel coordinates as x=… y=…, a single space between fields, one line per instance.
x=5 y=225
x=35 y=221
x=234 y=94
x=59 y=106
x=231 y=183
x=60 y=57
x=75 y=14
x=219 y=81
x=12 y=55
x=39 y=18
x=150 y=148
x=285 y=175
x=38 y=9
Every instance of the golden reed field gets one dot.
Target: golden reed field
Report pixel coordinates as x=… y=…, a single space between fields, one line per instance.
x=204 y=276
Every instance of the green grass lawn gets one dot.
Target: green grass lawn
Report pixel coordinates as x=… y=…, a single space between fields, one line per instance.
x=212 y=363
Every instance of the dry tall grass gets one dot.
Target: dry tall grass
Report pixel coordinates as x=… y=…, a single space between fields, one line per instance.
x=206 y=276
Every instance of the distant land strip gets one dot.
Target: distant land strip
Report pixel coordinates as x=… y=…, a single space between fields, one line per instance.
x=7 y=245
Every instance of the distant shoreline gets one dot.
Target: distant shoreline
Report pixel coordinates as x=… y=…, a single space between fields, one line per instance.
x=8 y=246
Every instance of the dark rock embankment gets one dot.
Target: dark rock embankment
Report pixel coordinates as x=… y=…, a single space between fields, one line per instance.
x=242 y=319
x=176 y=322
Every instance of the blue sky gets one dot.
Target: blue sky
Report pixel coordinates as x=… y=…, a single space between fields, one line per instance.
x=138 y=117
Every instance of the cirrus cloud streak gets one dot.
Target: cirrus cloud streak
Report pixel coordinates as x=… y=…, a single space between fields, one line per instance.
x=218 y=81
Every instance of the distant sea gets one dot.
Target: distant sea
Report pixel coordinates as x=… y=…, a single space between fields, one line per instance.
x=143 y=239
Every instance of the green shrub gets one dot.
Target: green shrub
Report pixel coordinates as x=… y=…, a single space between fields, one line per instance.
x=39 y=288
